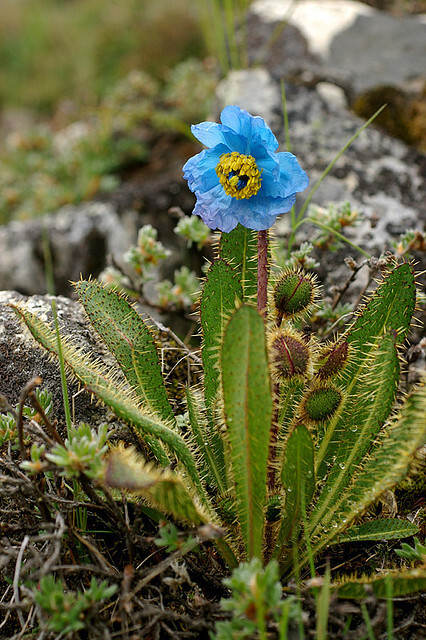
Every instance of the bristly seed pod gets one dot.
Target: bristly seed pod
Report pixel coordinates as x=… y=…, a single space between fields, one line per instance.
x=321 y=403
x=334 y=357
x=290 y=355
x=294 y=293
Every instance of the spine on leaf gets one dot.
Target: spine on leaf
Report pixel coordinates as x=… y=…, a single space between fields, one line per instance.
x=99 y=381
x=221 y=293
x=239 y=249
x=247 y=405
x=130 y=341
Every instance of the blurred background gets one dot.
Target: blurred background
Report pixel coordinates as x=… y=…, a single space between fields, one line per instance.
x=111 y=67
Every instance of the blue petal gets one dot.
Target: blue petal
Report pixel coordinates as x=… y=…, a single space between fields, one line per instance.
x=200 y=170
x=214 y=208
x=262 y=212
x=292 y=176
x=210 y=134
x=251 y=127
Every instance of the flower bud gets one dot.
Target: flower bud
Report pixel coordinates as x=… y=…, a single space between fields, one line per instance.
x=321 y=403
x=294 y=293
x=274 y=508
x=334 y=357
x=290 y=355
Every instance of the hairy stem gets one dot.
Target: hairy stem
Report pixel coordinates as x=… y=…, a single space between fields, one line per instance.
x=262 y=272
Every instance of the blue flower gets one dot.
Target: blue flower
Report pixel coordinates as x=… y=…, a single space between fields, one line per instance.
x=241 y=178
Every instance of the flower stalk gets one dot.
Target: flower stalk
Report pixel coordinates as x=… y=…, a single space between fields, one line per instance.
x=262 y=273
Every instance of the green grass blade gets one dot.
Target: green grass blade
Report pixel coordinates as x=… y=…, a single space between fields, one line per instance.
x=248 y=412
x=384 y=529
x=335 y=159
x=323 y=607
x=50 y=284
x=221 y=292
x=239 y=249
x=130 y=341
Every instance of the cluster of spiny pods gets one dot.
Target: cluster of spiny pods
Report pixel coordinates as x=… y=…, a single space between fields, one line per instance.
x=296 y=356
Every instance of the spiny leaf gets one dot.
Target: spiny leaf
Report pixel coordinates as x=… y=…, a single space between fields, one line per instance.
x=239 y=249
x=144 y=424
x=222 y=290
x=129 y=340
x=403 y=582
x=248 y=412
x=100 y=381
x=291 y=393
x=209 y=441
x=360 y=422
x=387 y=464
x=298 y=480
x=391 y=307
x=128 y=471
x=384 y=529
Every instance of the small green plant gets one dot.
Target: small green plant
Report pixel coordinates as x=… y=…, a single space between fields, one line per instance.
x=331 y=221
x=66 y=612
x=193 y=230
x=139 y=262
x=412 y=554
x=8 y=420
x=255 y=602
x=411 y=240
x=147 y=252
x=8 y=431
x=170 y=538
x=290 y=440
x=82 y=452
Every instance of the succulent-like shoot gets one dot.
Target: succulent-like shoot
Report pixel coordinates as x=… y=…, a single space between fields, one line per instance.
x=321 y=403
x=289 y=354
x=294 y=294
x=332 y=359
x=247 y=406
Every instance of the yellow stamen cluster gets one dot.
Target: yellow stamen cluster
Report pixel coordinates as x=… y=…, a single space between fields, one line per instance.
x=238 y=174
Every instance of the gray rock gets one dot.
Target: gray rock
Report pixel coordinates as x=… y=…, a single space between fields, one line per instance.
x=347 y=42
x=21 y=359
x=378 y=175
x=253 y=90
x=381 y=49
x=80 y=236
